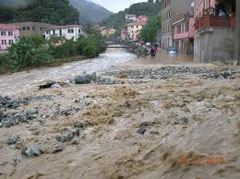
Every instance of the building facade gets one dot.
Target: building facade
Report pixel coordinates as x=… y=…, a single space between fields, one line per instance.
x=172 y=10
x=123 y=35
x=9 y=34
x=133 y=30
x=183 y=37
x=214 y=31
x=32 y=28
x=130 y=18
x=65 y=32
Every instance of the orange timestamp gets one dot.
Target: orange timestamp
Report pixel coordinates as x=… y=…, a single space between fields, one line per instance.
x=202 y=160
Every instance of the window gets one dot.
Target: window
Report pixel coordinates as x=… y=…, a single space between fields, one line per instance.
x=10 y=42
x=54 y=33
x=3 y=33
x=33 y=28
x=79 y=31
x=48 y=32
x=71 y=31
x=4 y=42
x=24 y=28
x=10 y=33
x=28 y=28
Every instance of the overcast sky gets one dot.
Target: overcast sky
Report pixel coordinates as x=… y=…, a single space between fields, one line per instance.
x=116 y=5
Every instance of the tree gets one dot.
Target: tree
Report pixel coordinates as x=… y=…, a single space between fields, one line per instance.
x=58 y=12
x=237 y=32
x=149 y=32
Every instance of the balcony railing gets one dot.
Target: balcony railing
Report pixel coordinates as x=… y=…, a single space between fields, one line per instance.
x=214 y=21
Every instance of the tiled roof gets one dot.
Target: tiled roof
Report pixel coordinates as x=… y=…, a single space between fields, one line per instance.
x=8 y=27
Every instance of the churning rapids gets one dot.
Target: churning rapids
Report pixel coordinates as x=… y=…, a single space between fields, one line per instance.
x=21 y=81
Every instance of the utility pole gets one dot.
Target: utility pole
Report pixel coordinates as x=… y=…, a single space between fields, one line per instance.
x=237 y=32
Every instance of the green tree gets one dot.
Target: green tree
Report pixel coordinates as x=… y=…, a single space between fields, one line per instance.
x=149 y=32
x=30 y=51
x=58 y=12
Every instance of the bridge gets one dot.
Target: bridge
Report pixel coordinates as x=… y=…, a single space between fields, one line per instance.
x=112 y=44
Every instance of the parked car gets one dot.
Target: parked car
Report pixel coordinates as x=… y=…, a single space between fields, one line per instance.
x=172 y=52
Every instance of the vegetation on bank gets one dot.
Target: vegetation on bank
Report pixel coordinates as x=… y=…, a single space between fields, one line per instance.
x=35 y=51
x=149 y=32
x=58 y=12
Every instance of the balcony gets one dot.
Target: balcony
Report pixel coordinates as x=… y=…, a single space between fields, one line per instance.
x=214 y=21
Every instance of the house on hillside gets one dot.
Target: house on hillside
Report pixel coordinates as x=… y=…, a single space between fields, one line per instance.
x=135 y=26
x=32 y=28
x=133 y=30
x=9 y=34
x=142 y=19
x=215 y=28
x=123 y=35
x=65 y=32
x=130 y=18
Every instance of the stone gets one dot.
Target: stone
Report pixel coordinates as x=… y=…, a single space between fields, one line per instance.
x=91 y=77
x=12 y=140
x=141 y=131
x=56 y=86
x=31 y=114
x=32 y=151
x=79 y=125
x=81 y=80
x=66 y=137
x=56 y=149
x=184 y=120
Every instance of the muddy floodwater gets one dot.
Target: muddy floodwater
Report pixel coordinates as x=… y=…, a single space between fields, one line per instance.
x=21 y=81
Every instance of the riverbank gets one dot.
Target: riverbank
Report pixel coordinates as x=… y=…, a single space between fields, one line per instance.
x=11 y=84
x=141 y=121
x=6 y=69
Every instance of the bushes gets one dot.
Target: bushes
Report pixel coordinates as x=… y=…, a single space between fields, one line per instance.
x=91 y=46
x=35 y=51
x=30 y=51
x=67 y=49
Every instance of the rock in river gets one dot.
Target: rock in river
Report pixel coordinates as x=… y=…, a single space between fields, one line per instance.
x=32 y=151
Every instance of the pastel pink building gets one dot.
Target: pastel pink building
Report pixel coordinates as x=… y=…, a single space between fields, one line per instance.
x=9 y=34
x=124 y=34
x=183 y=35
x=142 y=19
x=203 y=6
x=214 y=26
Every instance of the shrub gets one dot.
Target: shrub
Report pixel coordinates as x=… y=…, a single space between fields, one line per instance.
x=91 y=46
x=30 y=51
x=67 y=49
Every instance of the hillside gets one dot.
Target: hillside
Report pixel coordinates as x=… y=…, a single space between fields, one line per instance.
x=117 y=20
x=90 y=12
x=47 y=11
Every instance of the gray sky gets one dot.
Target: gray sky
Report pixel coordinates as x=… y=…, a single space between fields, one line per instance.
x=116 y=5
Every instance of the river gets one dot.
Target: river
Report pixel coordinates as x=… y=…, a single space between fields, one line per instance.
x=25 y=80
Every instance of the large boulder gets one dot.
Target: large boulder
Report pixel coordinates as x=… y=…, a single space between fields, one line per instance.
x=81 y=80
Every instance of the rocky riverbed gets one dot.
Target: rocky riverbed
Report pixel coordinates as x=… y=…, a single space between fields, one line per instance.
x=162 y=121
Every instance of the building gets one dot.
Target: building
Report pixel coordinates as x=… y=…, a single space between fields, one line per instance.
x=66 y=32
x=142 y=19
x=133 y=30
x=130 y=18
x=9 y=34
x=123 y=35
x=32 y=28
x=215 y=30
x=172 y=10
x=135 y=26
x=184 y=31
